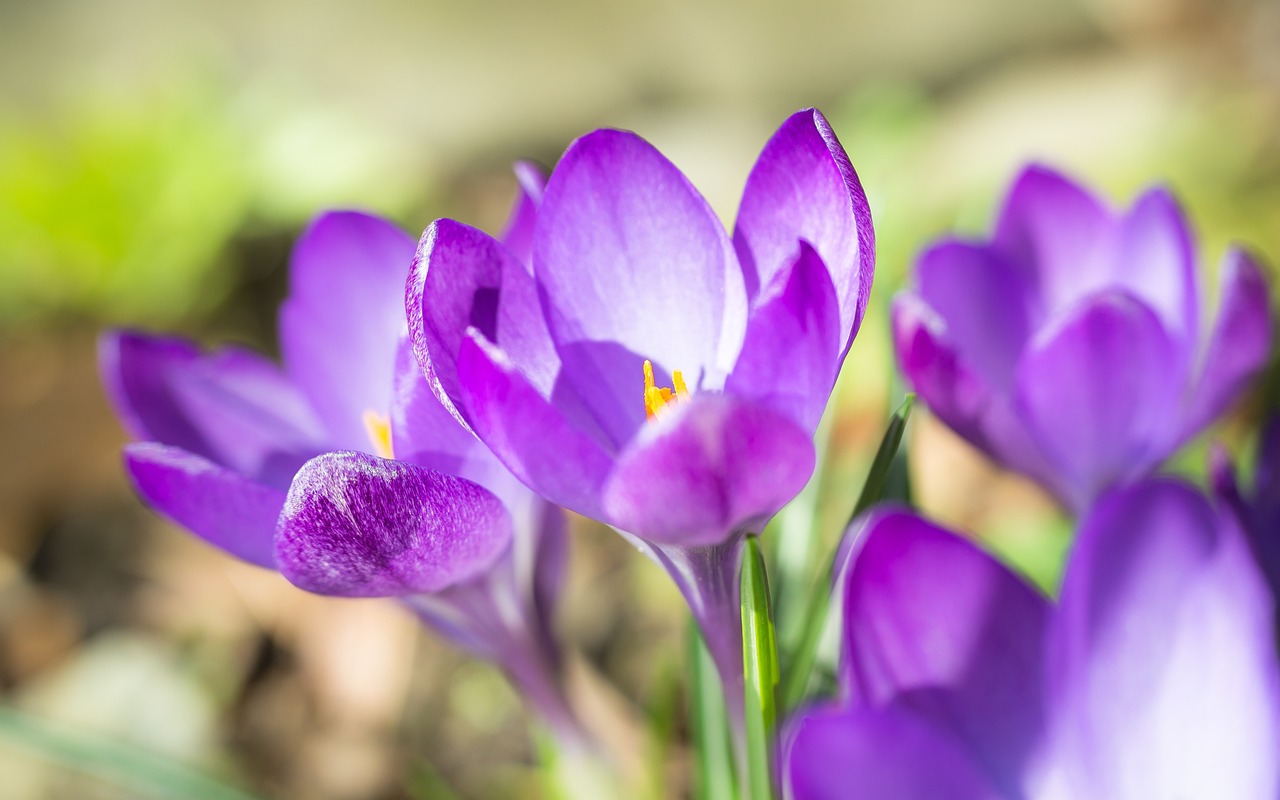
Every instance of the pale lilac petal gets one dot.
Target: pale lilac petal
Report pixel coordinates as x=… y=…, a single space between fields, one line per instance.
x=876 y=754
x=528 y=433
x=985 y=304
x=224 y=508
x=231 y=407
x=343 y=316
x=803 y=187
x=1162 y=661
x=707 y=468
x=463 y=278
x=1155 y=260
x=932 y=622
x=1100 y=393
x=792 y=352
x=1059 y=235
x=359 y=526
x=1239 y=346
x=633 y=264
x=518 y=233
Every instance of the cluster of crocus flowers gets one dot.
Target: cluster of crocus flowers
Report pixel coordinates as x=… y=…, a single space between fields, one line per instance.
x=341 y=469
x=1069 y=346
x=643 y=368
x=1153 y=675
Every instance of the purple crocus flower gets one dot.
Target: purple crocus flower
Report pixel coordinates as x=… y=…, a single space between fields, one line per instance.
x=645 y=369
x=1069 y=346
x=1258 y=510
x=292 y=468
x=1154 y=676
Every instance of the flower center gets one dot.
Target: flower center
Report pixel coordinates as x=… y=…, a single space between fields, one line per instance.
x=378 y=426
x=657 y=398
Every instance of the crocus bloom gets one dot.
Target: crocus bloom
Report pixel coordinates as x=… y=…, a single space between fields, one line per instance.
x=1154 y=676
x=1258 y=510
x=1069 y=346
x=292 y=468
x=644 y=369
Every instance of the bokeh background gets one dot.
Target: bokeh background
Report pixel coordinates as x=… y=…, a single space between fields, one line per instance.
x=157 y=159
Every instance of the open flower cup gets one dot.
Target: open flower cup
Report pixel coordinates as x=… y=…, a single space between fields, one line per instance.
x=643 y=368
x=341 y=469
x=1069 y=347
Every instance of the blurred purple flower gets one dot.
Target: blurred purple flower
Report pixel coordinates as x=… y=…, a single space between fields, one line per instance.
x=561 y=366
x=1259 y=510
x=292 y=468
x=1154 y=676
x=1069 y=346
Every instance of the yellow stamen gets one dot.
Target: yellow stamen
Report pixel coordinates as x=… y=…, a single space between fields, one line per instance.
x=378 y=426
x=657 y=398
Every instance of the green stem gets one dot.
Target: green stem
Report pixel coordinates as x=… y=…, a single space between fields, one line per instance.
x=714 y=757
x=760 y=666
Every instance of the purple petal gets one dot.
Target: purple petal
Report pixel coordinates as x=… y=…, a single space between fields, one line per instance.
x=792 y=351
x=1240 y=344
x=231 y=407
x=633 y=264
x=225 y=509
x=343 y=316
x=518 y=234
x=1156 y=261
x=709 y=467
x=803 y=187
x=1059 y=235
x=1101 y=394
x=1162 y=660
x=359 y=526
x=934 y=623
x=881 y=754
x=463 y=278
x=985 y=304
x=527 y=432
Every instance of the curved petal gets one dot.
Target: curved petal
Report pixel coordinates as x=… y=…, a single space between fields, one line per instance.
x=463 y=278
x=710 y=467
x=985 y=303
x=876 y=754
x=633 y=264
x=1240 y=344
x=518 y=233
x=527 y=432
x=803 y=187
x=359 y=526
x=1162 y=660
x=341 y=321
x=1059 y=235
x=225 y=509
x=231 y=407
x=792 y=352
x=1101 y=395
x=1155 y=260
x=932 y=622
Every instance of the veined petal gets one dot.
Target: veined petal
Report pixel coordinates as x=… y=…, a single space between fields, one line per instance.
x=231 y=407
x=633 y=264
x=342 y=319
x=527 y=432
x=935 y=624
x=803 y=187
x=1162 y=661
x=1239 y=346
x=707 y=468
x=876 y=754
x=226 y=509
x=517 y=236
x=792 y=352
x=359 y=526
x=1101 y=394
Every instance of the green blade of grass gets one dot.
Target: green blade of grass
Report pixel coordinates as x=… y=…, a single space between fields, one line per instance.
x=760 y=670
x=713 y=758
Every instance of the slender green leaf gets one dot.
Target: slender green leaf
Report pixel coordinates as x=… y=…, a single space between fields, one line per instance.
x=760 y=670
x=888 y=470
x=714 y=775
x=147 y=774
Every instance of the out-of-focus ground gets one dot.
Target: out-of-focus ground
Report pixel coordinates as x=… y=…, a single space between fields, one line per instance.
x=157 y=159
